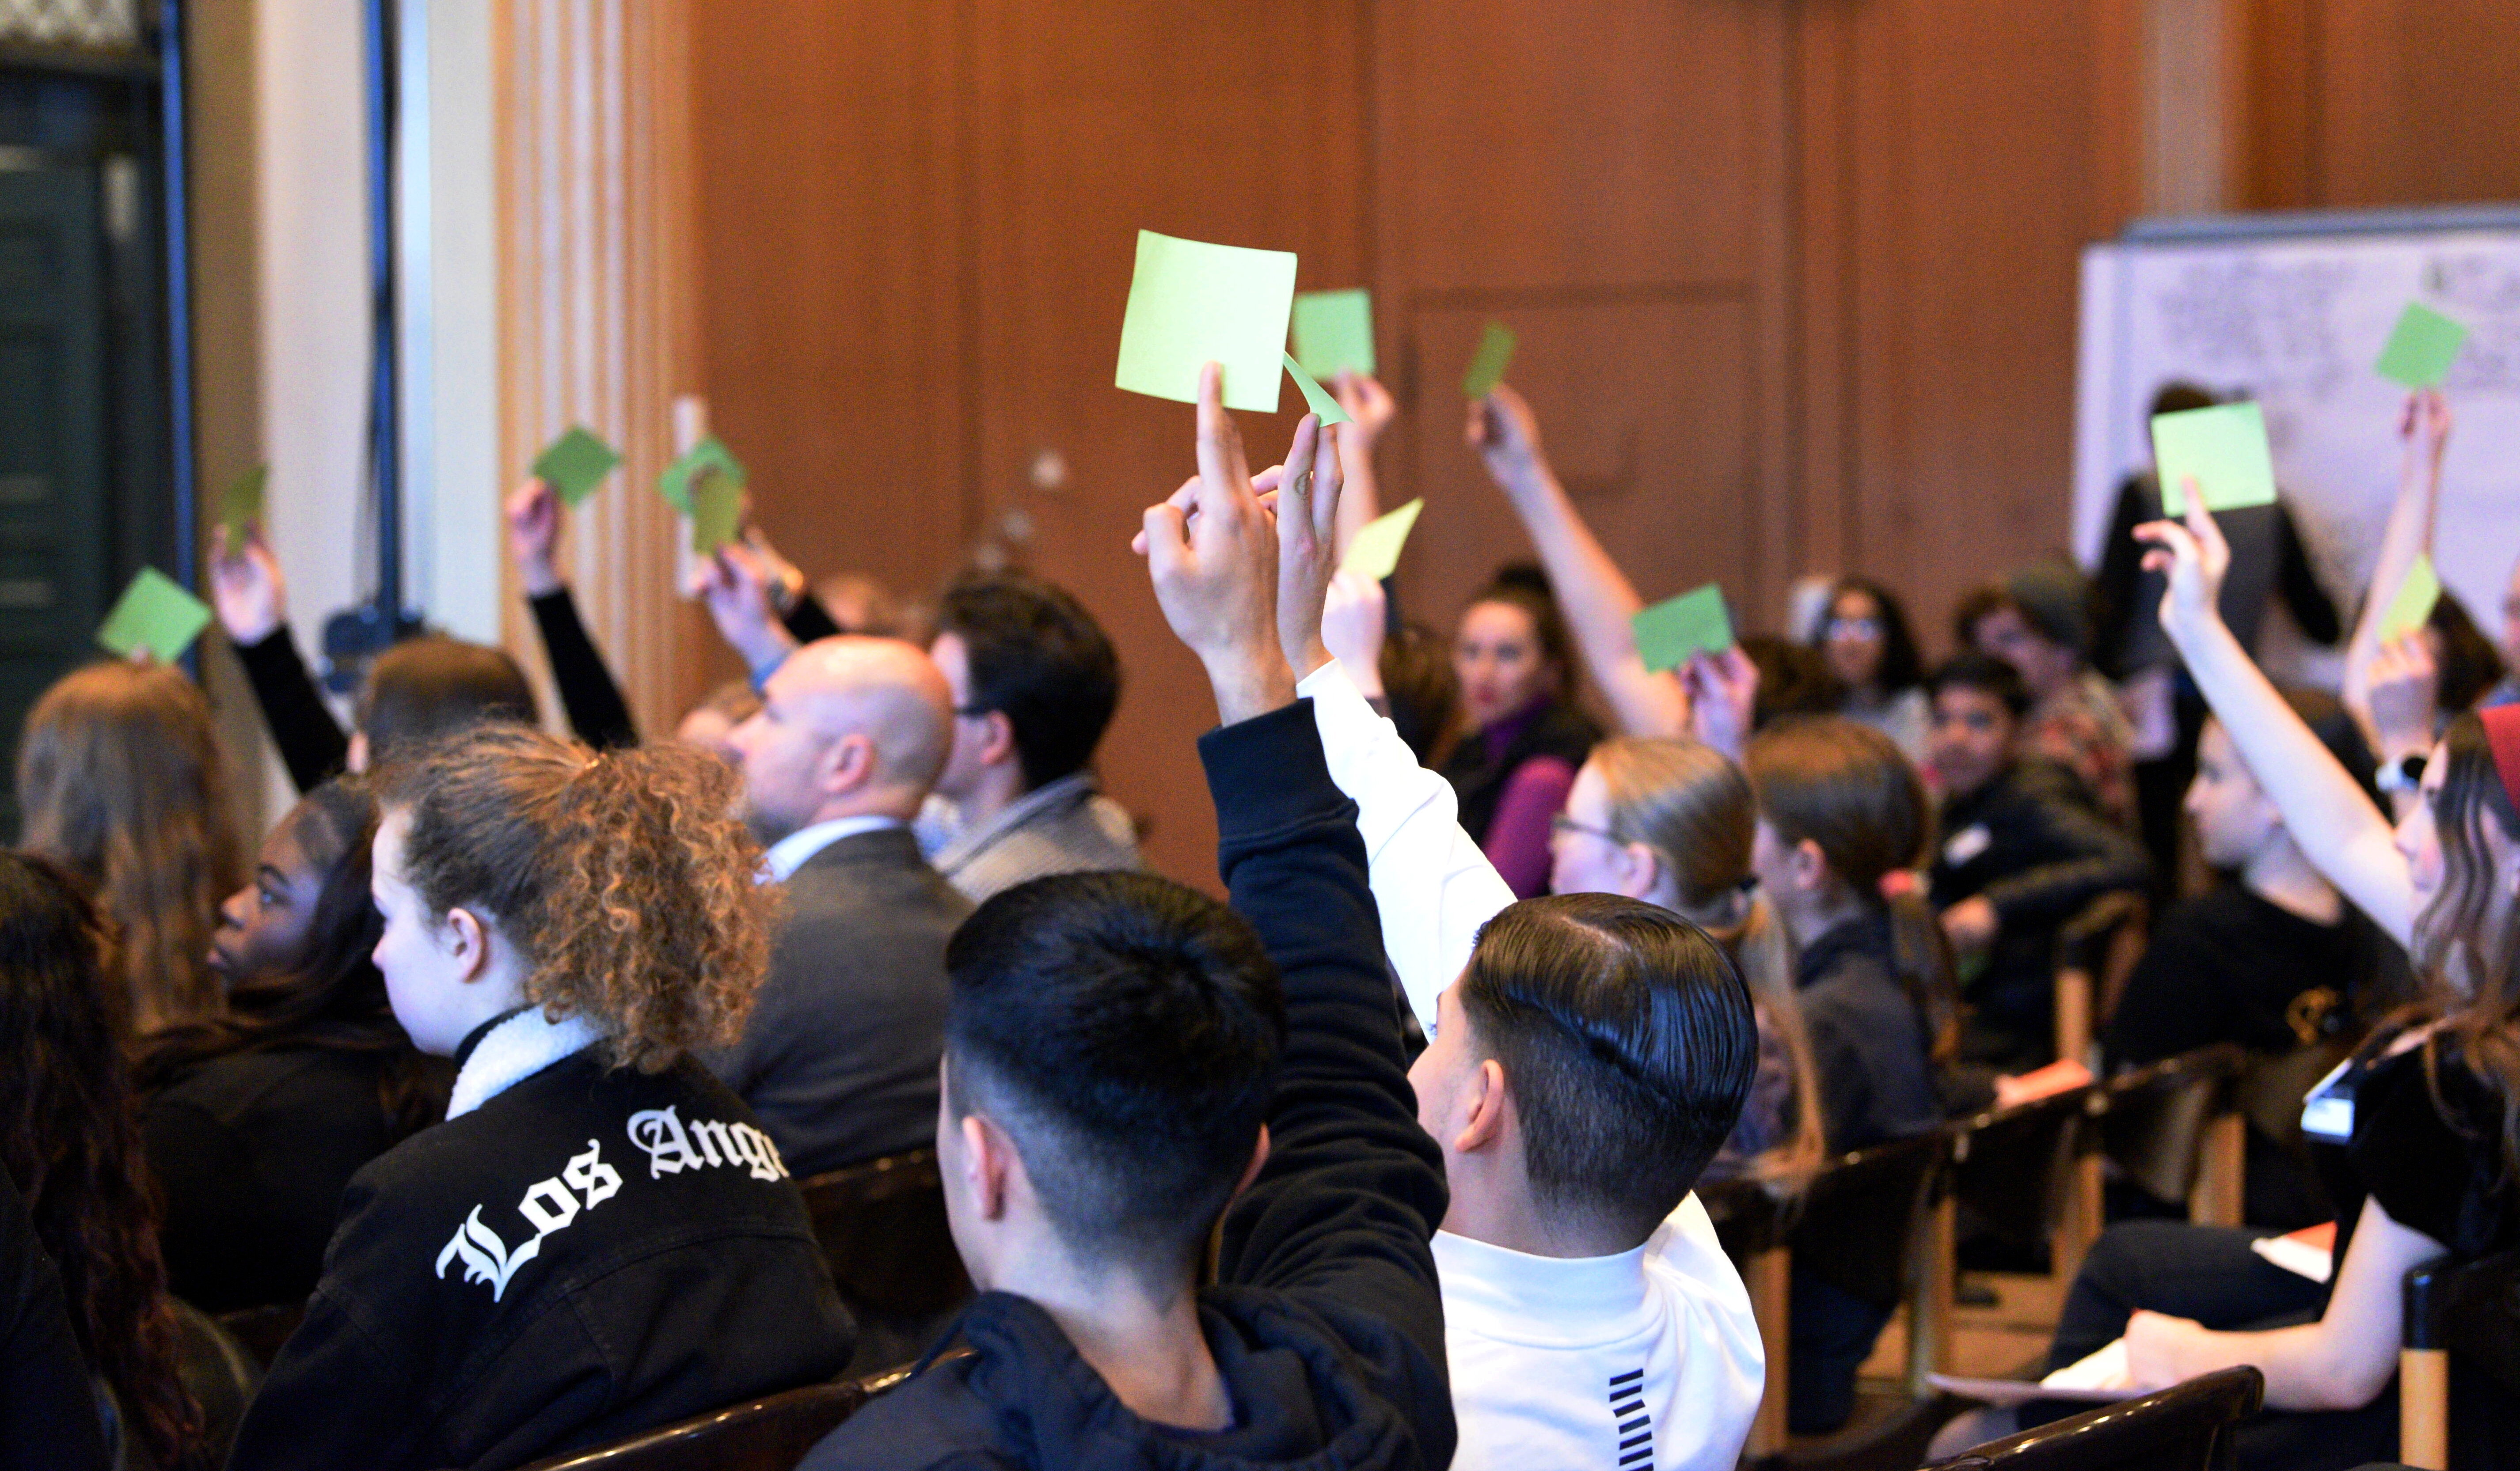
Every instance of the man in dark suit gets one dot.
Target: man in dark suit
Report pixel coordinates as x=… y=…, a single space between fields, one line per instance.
x=839 y=1058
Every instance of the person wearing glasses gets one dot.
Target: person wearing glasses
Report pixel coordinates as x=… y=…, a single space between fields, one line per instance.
x=1871 y=652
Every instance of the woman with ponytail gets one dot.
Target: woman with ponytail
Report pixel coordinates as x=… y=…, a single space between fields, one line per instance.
x=601 y=1238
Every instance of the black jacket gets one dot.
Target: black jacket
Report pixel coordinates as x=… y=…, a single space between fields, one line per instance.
x=587 y=693
x=590 y=1253
x=1326 y=1320
x=1869 y=1045
x=2030 y=842
x=1478 y=784
x=48 y=1413
x=251 y=1154
x=839 y=1056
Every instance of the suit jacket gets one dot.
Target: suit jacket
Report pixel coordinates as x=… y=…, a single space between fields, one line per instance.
x=839 y=1058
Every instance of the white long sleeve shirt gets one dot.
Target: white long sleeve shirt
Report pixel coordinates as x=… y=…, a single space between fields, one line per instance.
x=1647 y=1360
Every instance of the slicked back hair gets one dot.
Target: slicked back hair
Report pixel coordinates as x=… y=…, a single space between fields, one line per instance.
x=1628 y=1041
x=1125 y=1031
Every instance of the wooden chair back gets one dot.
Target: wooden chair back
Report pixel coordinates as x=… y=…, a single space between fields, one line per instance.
x=2186 y=1427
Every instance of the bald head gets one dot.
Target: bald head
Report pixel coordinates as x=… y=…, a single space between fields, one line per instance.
x=849 y=727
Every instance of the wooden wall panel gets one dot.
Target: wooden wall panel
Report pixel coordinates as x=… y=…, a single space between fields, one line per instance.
x=2358 y=103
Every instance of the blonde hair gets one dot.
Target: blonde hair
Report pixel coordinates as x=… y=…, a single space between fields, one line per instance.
x=1694 y=809
x=118 y=774
x=622 y=880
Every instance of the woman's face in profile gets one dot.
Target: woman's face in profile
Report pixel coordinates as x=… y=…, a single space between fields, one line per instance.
x=262 y=927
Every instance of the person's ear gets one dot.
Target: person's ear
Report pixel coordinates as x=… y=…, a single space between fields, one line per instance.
x=998 y=746
x=1807 y=866
x=1642 y=870
x=849 y=765
x=356 y=758
x=987 y=1156
x=468 y=944
x=1251 y=1171
x=1483 y=1109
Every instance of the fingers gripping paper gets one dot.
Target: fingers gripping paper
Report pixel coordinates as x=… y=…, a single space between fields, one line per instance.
x=1375 y=551
x=1669 y=634
x=1191 y=304
x=575 y=464
x=2223 y=448
x=675 y=483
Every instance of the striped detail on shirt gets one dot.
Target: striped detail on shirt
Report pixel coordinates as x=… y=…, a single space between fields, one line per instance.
x=1635 y=1423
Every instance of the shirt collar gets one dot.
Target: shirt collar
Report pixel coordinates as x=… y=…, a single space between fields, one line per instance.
x=963 y=844
x=513 y=1049
x=1501 y=1292
x=794 y=851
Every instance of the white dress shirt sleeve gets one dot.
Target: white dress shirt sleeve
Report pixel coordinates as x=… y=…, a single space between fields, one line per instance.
x=1432 y=884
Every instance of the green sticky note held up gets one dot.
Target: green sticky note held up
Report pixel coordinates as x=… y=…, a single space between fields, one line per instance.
x=2224 y=449
x=155 y=613
x=675 y=484
x=1375 y=551
x=717 y=509
x=1335 y=332
x=1192 y=304
x=1315 y=397
x=575 y=463
x=2412 y=608
x=241 y=505
x=2422 y=348
x=1669 y=634
x=1489 y=363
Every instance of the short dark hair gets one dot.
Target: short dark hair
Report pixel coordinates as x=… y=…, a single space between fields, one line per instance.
x=1038 y=658
x=424 y=689
x=1125 y=1031
x=1628 y=1041
x=1424 y=690
x=1984 y=673
x=1975 y=606
x=2178 y=396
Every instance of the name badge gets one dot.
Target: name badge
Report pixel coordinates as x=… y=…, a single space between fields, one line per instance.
x=1967 y=844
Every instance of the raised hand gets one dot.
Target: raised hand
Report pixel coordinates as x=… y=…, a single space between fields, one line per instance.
x=1722 y=698
x=2403 y=689
x=2195 y=557
x=1212 y=554
x=736 y=585
x=533 y=515
x=1353 y=620
x=1368 y=404
x=1506 y=437
x=246 y=587
x=1307 y=515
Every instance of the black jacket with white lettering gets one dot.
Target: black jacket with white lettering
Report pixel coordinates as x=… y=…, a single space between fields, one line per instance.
x=590 y=1253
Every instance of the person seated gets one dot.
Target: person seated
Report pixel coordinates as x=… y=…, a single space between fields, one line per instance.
x=256 y=1119
x=119 y=782
x=1034 y=680
x=2022 y=852
x=1512 y=771
x=599 y=1238
x=45 y=1402
x=1134 y=1071
x=1840 y=810
x=420 y=690
x=839 y=1056
x=1871 y=654
x=2424 y=1162
x=2271 y=958
x=1659 y=833
x=70 y=1143
x=2037 y=621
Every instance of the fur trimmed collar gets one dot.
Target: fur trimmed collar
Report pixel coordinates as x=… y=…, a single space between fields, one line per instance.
x=513 y=1050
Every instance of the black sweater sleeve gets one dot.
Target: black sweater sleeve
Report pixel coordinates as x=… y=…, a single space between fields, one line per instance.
x=2312 y=609
x=2087 y=856
x=311 y=745
x=596 y=709
x=809 y=620
x=48 y=1415
x=1353 y=1188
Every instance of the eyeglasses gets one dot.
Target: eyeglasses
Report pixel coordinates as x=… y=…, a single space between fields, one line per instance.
x=1855 y=628
x=1563 y=826
x=973 y=712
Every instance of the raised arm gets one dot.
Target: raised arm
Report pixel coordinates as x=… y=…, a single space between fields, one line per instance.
x=1369 y=410
x=2426 y=428
x=251 y=600
x=587 y=692
x=2343 y=836
x=1600 y=603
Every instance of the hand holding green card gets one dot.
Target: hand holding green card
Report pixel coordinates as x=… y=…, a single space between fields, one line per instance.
x=717 y=509
x=155 y=613
x=1317 y=399
x=575 y=463
x=2412 y=608
x=1489 y=363
x=2421 y=349
x=1335 y=332
x=1375 y=551
x=2223 y=448
x=675 y=484
x=241 y=505
x=1669 y=634
x=1192 y=304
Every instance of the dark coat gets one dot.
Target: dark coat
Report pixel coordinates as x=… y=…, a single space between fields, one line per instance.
x=48 y=1413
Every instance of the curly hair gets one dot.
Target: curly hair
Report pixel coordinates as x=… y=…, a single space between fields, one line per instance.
x=623 y=878
x=119 y=771
x=69 y=1137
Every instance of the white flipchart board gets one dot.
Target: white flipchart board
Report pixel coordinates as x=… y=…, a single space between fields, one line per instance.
x=2293 y=309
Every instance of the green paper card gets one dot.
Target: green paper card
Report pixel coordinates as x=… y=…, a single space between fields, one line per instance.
x=242 y=504
x=1192 y=304
x=1669 y=634
x=155 y=613
x=675 y=484
x=1488 y=364
x=1375 y=551
x=1315 y=397
x=575 y=463
x=2223 y=448
x=717 y=509
x=1335 y=332
x=2412 y=608
x=2422 y=348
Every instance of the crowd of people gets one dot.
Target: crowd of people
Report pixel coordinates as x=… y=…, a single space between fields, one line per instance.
x=1390 y=1159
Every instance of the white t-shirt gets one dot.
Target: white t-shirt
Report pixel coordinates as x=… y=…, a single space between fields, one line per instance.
x=1648 y=1360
